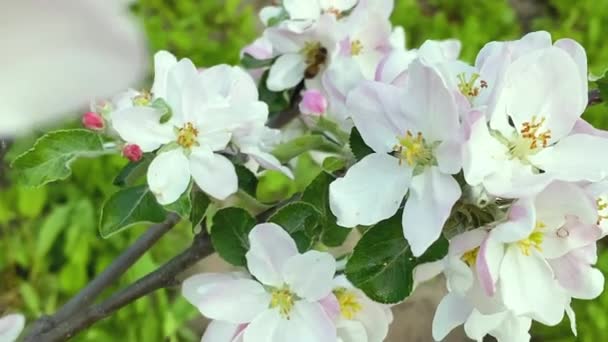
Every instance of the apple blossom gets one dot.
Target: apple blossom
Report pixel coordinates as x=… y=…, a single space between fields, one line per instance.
x=414 y=133
x=282 y=303
x=11 y=326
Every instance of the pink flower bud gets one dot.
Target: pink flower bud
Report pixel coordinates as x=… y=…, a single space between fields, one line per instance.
x=93 y=121
x=313 y=102
x=132 y=152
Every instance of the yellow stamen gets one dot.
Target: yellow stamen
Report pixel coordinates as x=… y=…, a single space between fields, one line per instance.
x=349 y=304
x=468 y=87
x=535 y=240
x=143 y=99
x=530 y=131
x=186 y=136
x=283 y=299
x=414 y=150
x=356 y=47
x=602 y=205
x=470 y=257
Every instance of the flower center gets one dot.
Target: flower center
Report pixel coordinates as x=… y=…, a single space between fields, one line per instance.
x=349 y=304
x=468 y=87
x=283 y=299
x=535 y=240
x=530 y=140
x=356 y=47
x=414 y=150
x=470 y=257
x=143 y=99
x=186 y=136
x=602 y=209
x=335 y=12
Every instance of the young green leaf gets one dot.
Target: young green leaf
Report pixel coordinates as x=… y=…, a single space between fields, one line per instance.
x=133 y=171
x=183 y=205
x=302 y=221
x=382 y=263
x=250 y=62
x=127 y=207
x=50 y=158
x=248 y=182
x=200 y=202
x=230 y=234
x=358 y=146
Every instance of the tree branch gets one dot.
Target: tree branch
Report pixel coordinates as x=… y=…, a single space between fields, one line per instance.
x=285 y=117
x=594 y=97
x=117 y=268
x=165 y=276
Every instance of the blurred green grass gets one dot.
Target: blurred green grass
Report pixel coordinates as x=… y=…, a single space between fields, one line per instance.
x=49 y=245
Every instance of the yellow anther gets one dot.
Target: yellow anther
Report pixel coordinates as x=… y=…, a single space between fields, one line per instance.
x=349 y=303
x=468 y=87
x=414 y=150
x=356 y=47
x=535 y=240
x=143 y=99
x=531 y=131
x=186 y=136
x=470 y=257
x=283 y=299
x=602 y=205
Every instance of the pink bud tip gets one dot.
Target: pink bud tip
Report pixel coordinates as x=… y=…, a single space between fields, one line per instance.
x=132 y=152
x=93 y=121
x=313 y=102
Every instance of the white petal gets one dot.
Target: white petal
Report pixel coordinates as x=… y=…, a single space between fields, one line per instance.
x=169 y=176
x=488 y=264
x=427 y=271
x=459 y=275
x=11 y=326
x=163 y=61
x=528 y=287
x=393 y=68
x=182 y=90
x=230 y=82
x=521 y=221
x=560 y=200
x=271 y=247
x=264 y=327
x=566 y=162
x=572 y=318
x=213 y=173
x=371 y=191
x=299 y=9
x=375 y=109
x=577 y=277
x=141 y=126
x=579 y=55
x=482 y=154
x=226 y=298
x=316 y=282
x=479 y=325
x=452 y=311
x=286 y=72
x=432 y=196
x=351 y=331
x=49 y=72
x=373 y=317
x=513 y=328
x=309 y=323
x=221 y=331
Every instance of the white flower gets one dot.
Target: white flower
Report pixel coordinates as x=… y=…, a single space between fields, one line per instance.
x=49 y=72
x=357 y=318
x=257 y=142
x=10 y=327
x=282 y=304
x=207 y=107
x=414 y=133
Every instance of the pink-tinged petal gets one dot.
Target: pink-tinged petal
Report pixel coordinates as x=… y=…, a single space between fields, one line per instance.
x=226 y=297
x=577 y=276
x=264 y=327
x=482 y=154
x=432 y=196
x=313 y=102
x=578 y=54
x=566 y=162
x=528 y=287
x=556 y=95
x=221 y=331
x=11 y=326
x=521 y=221
x=583 y=127
x=372 y=190
x=427 y=271
x=141 y=126
x=572 y=235
x=342 y=76
x=376 y=110
x=392 y=69
x=286 y=72
x=467 y=241
x=163 y=62
x=271 y=247
x=452 y=311
x=58 y=55
x=213 y=173
x=331 y=306
x=260 y=49
x=488 y=264
x=560 y=200
x=479 y=325
x=169 y=176
x=316 y=282
x=308 y=322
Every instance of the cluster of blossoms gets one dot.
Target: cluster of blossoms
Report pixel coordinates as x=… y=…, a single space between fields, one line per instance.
x=493 y=156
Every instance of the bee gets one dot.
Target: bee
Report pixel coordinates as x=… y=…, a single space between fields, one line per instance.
x=315 y=62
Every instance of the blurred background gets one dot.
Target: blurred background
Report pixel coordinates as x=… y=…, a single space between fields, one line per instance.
x=49 y=244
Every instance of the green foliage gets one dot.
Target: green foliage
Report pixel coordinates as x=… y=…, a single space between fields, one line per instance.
x=301 y=220
x=382 y=263
x=358 y=146
x=230 y=234
x=50 y=158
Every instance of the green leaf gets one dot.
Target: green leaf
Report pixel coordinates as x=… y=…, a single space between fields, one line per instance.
x=248 y=182
x=133 y=171
x=250 y=62
x=274 y=186
x=183 y=205
x=276 y=101
x=301 y=220
x=200 y=203
x=333 y=164
x=317 y=194
x=291 y=149
x=382 y=262
x=51 y=228
x=161 y=105
x=602 y=86
x=358 y=146
x=230 y=234
x=128 y=207
x=50 y=158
